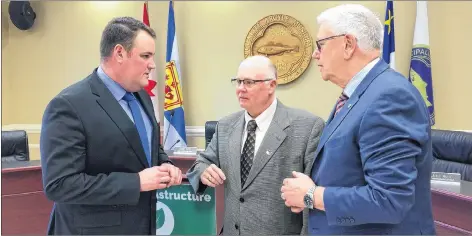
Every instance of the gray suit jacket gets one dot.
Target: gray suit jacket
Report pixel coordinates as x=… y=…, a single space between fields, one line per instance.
x=256 y=207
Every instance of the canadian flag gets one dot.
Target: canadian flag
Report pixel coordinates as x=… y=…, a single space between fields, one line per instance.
x=151 y=88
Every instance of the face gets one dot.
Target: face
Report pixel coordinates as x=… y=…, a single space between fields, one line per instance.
x=256 y=97
x=331 y=54
x=136 y=64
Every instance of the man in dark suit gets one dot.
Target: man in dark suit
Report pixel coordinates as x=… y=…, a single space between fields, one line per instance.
x=372 y=166
x=100 y=142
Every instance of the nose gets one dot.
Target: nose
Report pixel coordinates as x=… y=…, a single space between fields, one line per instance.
x=151 y=64
x=316 y=54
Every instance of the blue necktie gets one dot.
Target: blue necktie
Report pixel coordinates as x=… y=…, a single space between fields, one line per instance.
x=139 y=123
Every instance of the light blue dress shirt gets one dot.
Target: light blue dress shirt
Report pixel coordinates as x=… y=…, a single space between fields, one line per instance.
x=118 y=92
x=357 y=79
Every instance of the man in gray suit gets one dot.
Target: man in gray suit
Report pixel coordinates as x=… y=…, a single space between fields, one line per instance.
x=252 y=151
x=100 y=152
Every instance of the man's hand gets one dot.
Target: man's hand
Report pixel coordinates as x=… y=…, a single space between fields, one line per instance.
x=153 y=178
x=294 y=190
x=296 y=209
x=212 y=176
x=174 y=173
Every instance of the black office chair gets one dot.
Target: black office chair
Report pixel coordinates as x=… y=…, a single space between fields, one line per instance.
x=452 y=152
x=210 y=127
x=15 y=146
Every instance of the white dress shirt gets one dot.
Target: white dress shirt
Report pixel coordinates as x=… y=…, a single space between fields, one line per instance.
x=263 y=121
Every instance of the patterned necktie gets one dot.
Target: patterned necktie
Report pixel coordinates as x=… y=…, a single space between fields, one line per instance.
x=340 y=103
x=139 y=123
x=248 y=151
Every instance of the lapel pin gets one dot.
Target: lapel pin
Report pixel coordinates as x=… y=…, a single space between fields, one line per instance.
x=268 y=152
x=349 y=106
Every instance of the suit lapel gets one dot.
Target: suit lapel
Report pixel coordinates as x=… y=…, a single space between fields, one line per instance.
x=273 y=138
x=118 y=116
x=333 y=123
x=330 y=117
x=148 y=108
x=234 y=142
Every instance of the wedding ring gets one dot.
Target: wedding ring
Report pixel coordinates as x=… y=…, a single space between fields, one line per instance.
x=209 y=178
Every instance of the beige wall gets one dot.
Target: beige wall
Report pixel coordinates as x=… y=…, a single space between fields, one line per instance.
x=63 y=47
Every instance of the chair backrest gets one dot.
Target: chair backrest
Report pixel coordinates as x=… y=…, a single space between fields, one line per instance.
x=15 y=146
x=210 y=127
x=452 y=151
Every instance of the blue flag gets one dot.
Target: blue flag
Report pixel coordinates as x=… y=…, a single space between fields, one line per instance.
x=420 y=66
x=388 y=51
x=174 y=118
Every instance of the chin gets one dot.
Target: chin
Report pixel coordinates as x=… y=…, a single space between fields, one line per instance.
x=325 y=77
x=242 y=104
x=144 y=83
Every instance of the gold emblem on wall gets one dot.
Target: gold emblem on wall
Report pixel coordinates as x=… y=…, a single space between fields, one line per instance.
x=285 y=41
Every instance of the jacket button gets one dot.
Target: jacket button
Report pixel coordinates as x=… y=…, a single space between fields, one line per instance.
x=114 y=206
x=236 y=226
x=241 y=199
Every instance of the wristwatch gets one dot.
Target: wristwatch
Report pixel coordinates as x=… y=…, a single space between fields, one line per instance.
x=309 y=198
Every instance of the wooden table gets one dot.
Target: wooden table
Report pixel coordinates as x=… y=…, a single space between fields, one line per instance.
x=452 y=209
x=26 y=210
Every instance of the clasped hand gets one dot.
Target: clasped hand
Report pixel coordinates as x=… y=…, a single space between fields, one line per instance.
x=294 y=190
x=159 y=177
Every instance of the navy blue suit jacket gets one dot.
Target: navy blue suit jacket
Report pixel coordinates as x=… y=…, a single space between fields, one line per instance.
x=374 y=158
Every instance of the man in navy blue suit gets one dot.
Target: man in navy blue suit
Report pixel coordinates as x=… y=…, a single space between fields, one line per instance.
x=372 y=168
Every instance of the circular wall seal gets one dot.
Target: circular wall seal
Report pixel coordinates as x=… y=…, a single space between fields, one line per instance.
x=285 y=41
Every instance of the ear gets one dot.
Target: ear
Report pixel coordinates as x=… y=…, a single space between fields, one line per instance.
x=272 y=86
x=350 y=44
x=119 y=53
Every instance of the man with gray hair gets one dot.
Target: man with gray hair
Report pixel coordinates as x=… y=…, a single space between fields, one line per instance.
x=372 y=168
x=252 y=151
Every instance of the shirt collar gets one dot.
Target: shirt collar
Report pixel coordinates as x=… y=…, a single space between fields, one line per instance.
x=357 y=79
x=116 y=90
x=264 y=119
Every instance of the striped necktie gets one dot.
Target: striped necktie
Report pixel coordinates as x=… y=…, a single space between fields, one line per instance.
x=340 y=103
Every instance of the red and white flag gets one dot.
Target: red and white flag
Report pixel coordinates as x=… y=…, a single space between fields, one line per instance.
x=151 y=89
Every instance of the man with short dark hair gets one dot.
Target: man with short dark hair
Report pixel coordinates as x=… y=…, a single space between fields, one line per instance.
x=100 y=150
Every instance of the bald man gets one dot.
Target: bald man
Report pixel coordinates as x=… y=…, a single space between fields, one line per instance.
x=253 y=150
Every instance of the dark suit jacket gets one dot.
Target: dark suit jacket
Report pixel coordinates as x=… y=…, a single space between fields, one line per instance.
x=91 y=155
x=374 y=158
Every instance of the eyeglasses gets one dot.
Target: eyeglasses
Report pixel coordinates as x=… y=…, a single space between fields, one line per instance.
x=248 y=83
x=318 y=42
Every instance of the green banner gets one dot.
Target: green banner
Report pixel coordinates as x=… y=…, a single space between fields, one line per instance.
x=179 y=211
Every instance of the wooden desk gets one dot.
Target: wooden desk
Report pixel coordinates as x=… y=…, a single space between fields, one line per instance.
x=26 y=210
x=452 y=209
